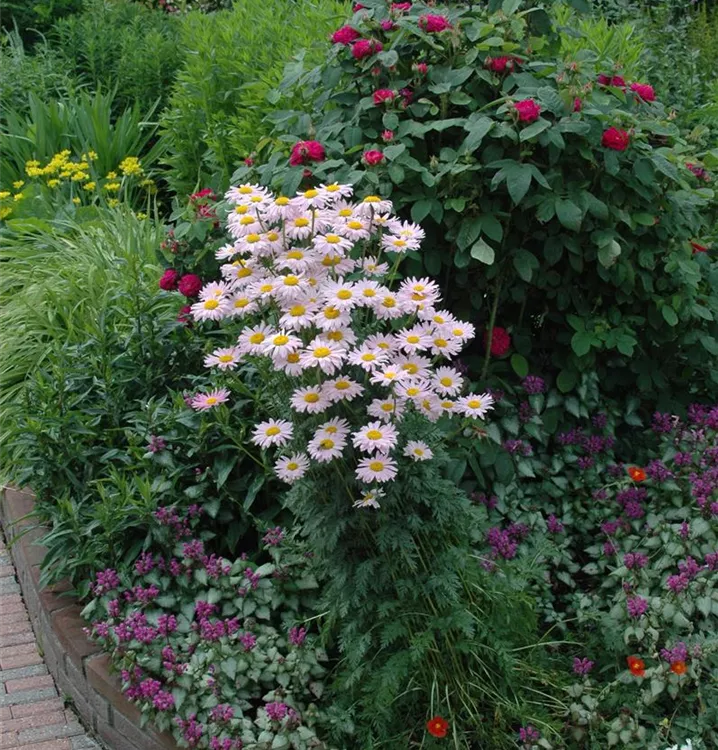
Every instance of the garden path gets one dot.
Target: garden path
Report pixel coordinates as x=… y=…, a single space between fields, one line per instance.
x=32 y=714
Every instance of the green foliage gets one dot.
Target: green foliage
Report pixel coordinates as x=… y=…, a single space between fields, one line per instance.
x=219 y=644
x=123 y=47
x=36 y=17
x=578 y=248
x=234 y=60
x=22 y=72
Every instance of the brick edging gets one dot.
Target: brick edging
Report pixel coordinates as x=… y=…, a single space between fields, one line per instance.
x=81 y=671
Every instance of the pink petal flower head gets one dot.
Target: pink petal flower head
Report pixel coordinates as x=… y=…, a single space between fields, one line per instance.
x=528 y=110
x=387 y=136
x=615 y=139
x=388 y=25
x=434 y=24
x=204 y=401
x=577 y=104
x=169 y=280
x=421 y=68
x=345 y=35
x=400 y=7
x=189 y=285
x=499 y=64
x=373 y=157
x=644 y=91
x=304 y=152
x=365 y=48
x=382 y=96
x=500 y=341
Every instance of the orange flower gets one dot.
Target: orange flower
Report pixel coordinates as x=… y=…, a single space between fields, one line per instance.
x=437 y=727
x=636 y=666
x=679 y=667
x=636 y=474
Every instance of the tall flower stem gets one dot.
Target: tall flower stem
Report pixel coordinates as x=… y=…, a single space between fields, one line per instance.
x=492 y=323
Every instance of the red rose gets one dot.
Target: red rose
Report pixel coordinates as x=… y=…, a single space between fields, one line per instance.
x=365 y=48
x=698 y=248
x=345 y=35
x=306 y=151
x=618 y=82
x=528 y=110
x=500 y=341
x=644 y=91
x=636 y=666
x=168 y=282
x=357 y=7
x=434 y=24
x=383 y=95
x=388 y=25
x=398 y=7
x=249 y=161
x=577 y=104
x=189 y=285
x=421 y=68
x=437 y=727
x=387 y=136
x=616 y=139
x=206 y=193
x=183 y=316
x=499 y=64
x=373 y=157
x=603 y=79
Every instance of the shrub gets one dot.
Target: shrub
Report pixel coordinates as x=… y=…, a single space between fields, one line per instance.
x=213 y=650
x=121 y=47
x=37 y=17
x=557 y=200
x=612 y=528
x=234 y=60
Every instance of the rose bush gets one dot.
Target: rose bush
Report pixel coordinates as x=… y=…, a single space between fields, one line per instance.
x=555 y=194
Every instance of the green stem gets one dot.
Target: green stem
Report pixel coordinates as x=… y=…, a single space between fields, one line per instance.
x=492 y=322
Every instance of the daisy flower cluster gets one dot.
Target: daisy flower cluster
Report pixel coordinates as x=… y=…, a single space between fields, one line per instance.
x=313 y=280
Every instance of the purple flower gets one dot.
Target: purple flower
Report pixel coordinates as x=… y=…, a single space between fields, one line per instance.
x=106 y=580
x=297 y=636
x=635 y=560
x=711 y=560
x=193 y=550
x=163 y=701
x=662 y=423
x=679 y=652
x=248 y=641
x=533 y=384
x=501 y=542
x=191 y=729
x=222 y=712
x=252 y=577
x=526 y=412
x=637 y=606
x=166 y=624
x=554 y=525
x=156 y=444
x=599 y=420
x=529 y=733
x=658 y=471
x=204 y=609
x=489 y=502
x=585 y=462
x=276 y=711
x=677 y=583
x=582 y=666
x=273 y=537
x=517 y=446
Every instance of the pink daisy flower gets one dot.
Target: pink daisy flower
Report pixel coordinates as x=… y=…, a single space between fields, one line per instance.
x=378 y=468
x=204 y=401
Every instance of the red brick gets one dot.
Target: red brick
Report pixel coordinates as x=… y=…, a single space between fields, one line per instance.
x=36 y=720
x=13 y=627
x=63 y=744
x=16 y=639
x=6 y=619
x=29 y=683
x=69 y=627
x=10 y=603
x=24 y=660
x=34 y=709
x=5 y=713
x=25 y=648
x=6 y=570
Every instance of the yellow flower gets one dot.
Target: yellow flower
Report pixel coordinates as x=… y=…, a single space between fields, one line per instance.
x=81 y=165
x=33 y=171
x=76 y=200
x=131 y=166
x=18 y=184
x=112 y=186
x=89 y=186
x=5 y=212
x=18 y=197
x=112 y=175
x=80 y=176
x=4 y=194
x=32 y=163
x=141 y=216
x=65 y=174
x=53 y=183
x=91 y=155
x=112 y=202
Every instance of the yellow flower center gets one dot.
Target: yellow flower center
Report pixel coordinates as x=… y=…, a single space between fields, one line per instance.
x=311 y=193
x=412 y=391
x=418 y=296
x=331 y=313
x=388 y=407
x=390 y=374
x=331 y=429
x=383 y=345
x=293 y=358
x=369 y=292
x=280 y=340
x=410 y=367
x=322 y=351
x=440 y=319
x=272 y=431
x=399 y=243
x=290 y=280
x=311 y=398
x=335 y=336
x=332 y=188
x=418 y=452
x=374 y=435
x=245 y=190
x=265 y=288
x=446 y=382
x=292 y=466
x=389 y=302
x=447 y=404
x=327 y=444
x=342 y=385
x=225 y=358
x=331 y=260
x=344 y=212
x=377 y=466
x=297 y=310
x=301 y=222
x=368 y=357
x=211 y=304
x=458 y=331
x=243 y=273
x=255 y=199
x=333 y=239
x=245 y=221
x=272 y=236
x=282 y=201
x=256 y=338
x=252 y=238
x=241 y=209
x=372 y=199
x=355 y=224
x=344 y=294
x=413 y=339
x=440 y=343
x=211 y=401
x=475 y=403
x=295 y=255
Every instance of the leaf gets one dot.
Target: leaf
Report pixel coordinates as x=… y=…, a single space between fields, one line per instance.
x=534 y=129
x=525 y=263
x=477 y=130
x=669 y=315
x=254 y=488
x=420 y=210
x=566 y=380
x=581 y=343
x=483 y=252
x=520 y=365
x=608 y=254
x=518 y=181
x=223 y=466
x=469 y=231
x=229 y=667
x=644 y=219
x=569 y=214
x=391 y=152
